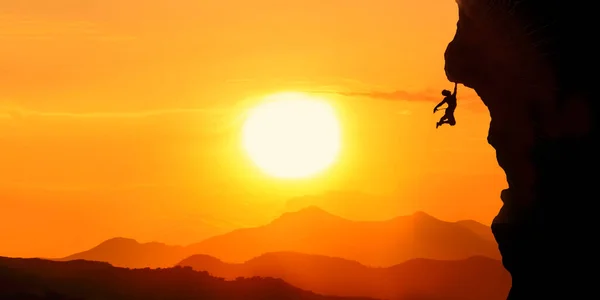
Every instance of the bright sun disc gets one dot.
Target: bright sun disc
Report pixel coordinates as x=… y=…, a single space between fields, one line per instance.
x=292 y=135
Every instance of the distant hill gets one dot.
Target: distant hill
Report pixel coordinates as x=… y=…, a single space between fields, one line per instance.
x=475 y=278
x=374 y=243
x=315 y=231
x=28 y=279
x=123 y=252
x=351 y=205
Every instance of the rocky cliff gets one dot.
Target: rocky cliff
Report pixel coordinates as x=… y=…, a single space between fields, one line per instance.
x=534 y=65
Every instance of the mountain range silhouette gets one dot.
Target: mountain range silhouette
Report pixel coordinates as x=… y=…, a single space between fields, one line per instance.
x=412 y=257
x=475 y=278
x=315 y=231
x=37 y=279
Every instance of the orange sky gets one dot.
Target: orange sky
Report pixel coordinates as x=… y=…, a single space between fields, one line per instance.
x=122 y=118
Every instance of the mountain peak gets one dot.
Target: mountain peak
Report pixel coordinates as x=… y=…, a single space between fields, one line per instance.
x=111 y=245
x=422 y=215
x=290 y=256
x=128 y=242
x=121 y=241
x=313 y=209
x=201 y=259
x=310 y=213
x=417 y=216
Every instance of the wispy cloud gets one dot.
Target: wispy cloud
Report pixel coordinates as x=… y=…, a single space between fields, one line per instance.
x=17 y=26
x=206 y=122
x=467 y=98
x=397 y=95
x=19 y=113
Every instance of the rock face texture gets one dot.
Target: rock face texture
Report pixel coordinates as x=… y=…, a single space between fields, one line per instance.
x=534 y=63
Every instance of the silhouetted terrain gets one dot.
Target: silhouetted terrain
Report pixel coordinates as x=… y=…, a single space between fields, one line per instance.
x=24 y=279
x=315 y=231
x=348 y=204
x=382 y=243
x=123 y=252
x=475 y=278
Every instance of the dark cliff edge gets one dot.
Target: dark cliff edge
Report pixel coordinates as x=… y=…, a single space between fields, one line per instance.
x=534 y=64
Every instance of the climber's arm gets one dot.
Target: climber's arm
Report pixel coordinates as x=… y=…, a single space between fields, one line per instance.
x=439 y=104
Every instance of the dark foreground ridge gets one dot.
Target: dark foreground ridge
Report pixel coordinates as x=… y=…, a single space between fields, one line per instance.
x=37 y=279
x=534 y=64
x=475 y=278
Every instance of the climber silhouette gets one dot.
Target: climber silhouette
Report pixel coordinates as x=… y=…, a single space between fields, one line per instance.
x=450 y=99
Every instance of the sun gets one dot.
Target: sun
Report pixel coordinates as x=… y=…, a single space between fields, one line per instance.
x=292 y=135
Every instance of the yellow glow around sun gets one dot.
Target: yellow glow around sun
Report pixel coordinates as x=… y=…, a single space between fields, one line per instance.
x=292 y=135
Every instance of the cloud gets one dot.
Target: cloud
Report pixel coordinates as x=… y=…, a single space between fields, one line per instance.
x=20 y=113
x=399 y=95
x=198 y=123
x=18 y=26
x=467 y=98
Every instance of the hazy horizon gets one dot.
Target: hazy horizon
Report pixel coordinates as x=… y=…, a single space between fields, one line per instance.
x=127 y=118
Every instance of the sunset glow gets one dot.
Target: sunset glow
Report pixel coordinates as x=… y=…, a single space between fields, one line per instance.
x=292 y=135
x=174 y=121
x=246 y=150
